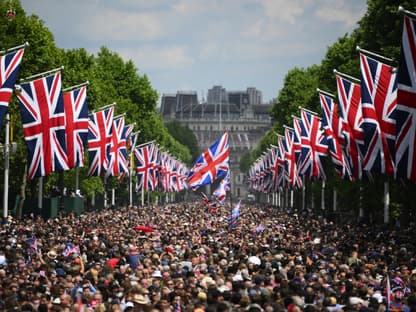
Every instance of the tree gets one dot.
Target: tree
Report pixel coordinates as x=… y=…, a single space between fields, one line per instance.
x=185 y=136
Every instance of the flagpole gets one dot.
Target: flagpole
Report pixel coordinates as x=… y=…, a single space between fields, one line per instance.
x=406 y=12
x=325 y=92
x=386 y=202
x=15 y=48
x=347 y=76
x=105 y=107
x=6 y=169
x=43 y=74
x=309 y=111
x=147 y=143
x=378 y=56
x=131 y=169
x=40 y=193
x=86 y=83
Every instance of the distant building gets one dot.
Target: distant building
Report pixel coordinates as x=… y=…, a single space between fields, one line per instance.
x=241 y=113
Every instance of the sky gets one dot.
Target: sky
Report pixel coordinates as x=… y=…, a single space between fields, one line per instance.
x=192 y=45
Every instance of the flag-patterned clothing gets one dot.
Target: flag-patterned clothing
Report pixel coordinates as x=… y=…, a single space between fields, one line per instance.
x=43 y=117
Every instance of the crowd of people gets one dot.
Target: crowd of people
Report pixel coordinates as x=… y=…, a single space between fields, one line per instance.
x=186 y=257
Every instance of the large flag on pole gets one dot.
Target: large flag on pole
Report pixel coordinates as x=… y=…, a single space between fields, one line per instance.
x=213 y=163
x=99 y=140
x=76 y=120
x=144 y=167
x=406 y=104
x=43 y=116
x=332 y=125
x=292 y=177
x=118 y=163
x=9 y=69
x=379 y=99
x=314 y=146
x=220 y=193
x=349 y=94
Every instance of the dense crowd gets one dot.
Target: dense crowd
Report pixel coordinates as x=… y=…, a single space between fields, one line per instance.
x=186 y=257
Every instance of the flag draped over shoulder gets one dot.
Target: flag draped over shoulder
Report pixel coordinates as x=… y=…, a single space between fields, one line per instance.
x=76 y=120
x=43 y=117
x=211 y=165
x=406 y=104
x=9 y=69
x=99 y=140
x=378 y=99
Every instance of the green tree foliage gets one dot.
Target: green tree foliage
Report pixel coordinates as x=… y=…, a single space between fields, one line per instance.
x=299 y=89
x=379 y=31
x=183 y=134
x=111 y=78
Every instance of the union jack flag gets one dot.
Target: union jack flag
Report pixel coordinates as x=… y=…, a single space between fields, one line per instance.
x=144 y=167
x=99 y=140
x=332 y=125
x=155 y=161
x=9 y=69
x=70 y=249
x=211 y=165
x=297 y=140
x=76 y=118
x=220 y=193
x=349 y=94
x=281 y=162
x=165 y=171
x=235 y=216
x=128 y=130
x=118 y=163
x=379 y=101
x=43 y=117
x=274 y=168
x=292 y=177
x=406 y=104
x=314 y=147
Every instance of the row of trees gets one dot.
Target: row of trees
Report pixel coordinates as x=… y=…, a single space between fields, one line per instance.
x=380 y=31
x=111 y=80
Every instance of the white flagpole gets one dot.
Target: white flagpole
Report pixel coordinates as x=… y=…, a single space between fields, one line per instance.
x=386 y=202
x=131 y=169
x=24 y=45
x=42 y=74
x=40 y=193
x=6 y=169
x=323 y=195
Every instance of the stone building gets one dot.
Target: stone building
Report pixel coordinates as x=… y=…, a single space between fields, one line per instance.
x=241 y=113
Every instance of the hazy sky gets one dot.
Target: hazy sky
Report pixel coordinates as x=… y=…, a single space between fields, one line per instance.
x=195 y=44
